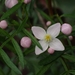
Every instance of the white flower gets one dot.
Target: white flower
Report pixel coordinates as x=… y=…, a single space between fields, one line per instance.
x=48 y=39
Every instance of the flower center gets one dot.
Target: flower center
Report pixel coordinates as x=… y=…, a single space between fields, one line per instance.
x=47 y=38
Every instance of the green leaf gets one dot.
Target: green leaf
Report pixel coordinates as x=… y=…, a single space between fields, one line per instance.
x=1 y=72
x=32 y=38
x=4 y=32
x=69 y=57
x=68 y=15
x=63 y=73
x=18 y=51
x=28 y=51
x=8 y=61
x=10 y=11
x=21 y=25
x=43 y=69
x=72 y=72
x=12 y=73
x=51 y=58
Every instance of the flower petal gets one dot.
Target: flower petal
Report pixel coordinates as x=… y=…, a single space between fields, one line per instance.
x=44 y=46
x=54 y=30
x=38 y=32
x=57 y=45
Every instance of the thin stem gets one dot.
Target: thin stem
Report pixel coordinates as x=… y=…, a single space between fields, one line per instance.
x=50 y=8
x=69 y=44
x=59 y=19
x=40 y=17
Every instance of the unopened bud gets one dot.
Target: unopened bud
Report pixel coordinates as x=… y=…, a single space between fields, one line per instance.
x=51 y=51
x=25 y=42
x=10 y=3
x=48 y=23
x=27 y=1
x=3 y=24
x=71 y=37
x=66 y=29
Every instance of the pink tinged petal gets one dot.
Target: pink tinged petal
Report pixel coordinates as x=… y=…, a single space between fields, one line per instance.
x=38 y=50
x=44 y=46
x=54 y=30
x=57 y=45
x=38 y=32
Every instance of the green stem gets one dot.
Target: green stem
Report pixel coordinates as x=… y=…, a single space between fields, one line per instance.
x=59 y=19
x=50 y=8
x=70 y=44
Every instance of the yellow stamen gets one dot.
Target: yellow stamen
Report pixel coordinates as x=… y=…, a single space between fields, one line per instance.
x=47 y=38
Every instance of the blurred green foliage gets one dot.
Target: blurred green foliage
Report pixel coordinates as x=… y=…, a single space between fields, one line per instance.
x=15 y=60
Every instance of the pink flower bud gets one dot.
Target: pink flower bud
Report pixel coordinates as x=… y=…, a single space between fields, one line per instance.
x=3 y=24
x=10 y=3
x=51 y=51
x=25 y=42
x=71 y=37
x=48 y=23
x=66 y=29
x=27 y=1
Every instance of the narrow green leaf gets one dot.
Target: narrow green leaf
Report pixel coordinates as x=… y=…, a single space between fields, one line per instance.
x=21 y=26
x=43 y=69
x=1 y=72
x=10 y=11
x=32 y=38
x=4 y=32
x=18 y=51
x=8 y=61
x=72 y=72
x=69 y=57
x=63 y=73
x=28 y=51
x=69 y=15
x=50 y=58
x=12 y=73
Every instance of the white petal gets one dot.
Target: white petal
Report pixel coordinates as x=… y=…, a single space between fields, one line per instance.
x=54 y=30
x=38 y=32
x=44 y=46
x=57 y=45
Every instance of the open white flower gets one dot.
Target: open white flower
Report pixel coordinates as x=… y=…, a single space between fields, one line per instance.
x=48 y=39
